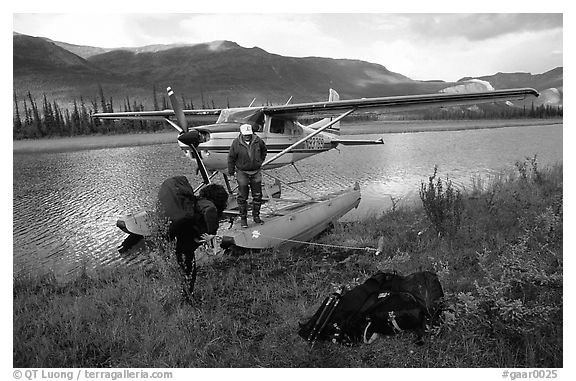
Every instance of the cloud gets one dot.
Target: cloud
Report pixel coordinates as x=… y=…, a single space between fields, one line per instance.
x=452 y=59
x=102 y=30
x=287 y=34
x=480 y=26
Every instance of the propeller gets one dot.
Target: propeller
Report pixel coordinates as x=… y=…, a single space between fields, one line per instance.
x=201 y=167
x=177 y=110
x=191 y=138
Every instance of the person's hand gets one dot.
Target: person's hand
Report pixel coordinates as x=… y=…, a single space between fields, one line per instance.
x=208 y=238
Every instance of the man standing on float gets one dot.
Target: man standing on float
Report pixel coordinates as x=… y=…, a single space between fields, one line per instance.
x=247 y=153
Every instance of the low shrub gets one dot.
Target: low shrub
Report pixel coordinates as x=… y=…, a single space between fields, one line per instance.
x=443 y=204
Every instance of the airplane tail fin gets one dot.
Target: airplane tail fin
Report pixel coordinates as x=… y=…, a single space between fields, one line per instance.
x=333 y=96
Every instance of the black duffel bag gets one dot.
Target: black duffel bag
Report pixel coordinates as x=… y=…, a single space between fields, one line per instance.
x=386 y=303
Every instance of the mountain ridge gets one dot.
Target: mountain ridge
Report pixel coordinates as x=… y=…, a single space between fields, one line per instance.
x=221 y=71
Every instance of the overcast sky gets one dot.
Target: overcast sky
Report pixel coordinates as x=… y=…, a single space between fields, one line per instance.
x=418 y=45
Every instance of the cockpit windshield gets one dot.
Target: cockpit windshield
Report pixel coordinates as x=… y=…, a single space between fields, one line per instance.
x=253 y=116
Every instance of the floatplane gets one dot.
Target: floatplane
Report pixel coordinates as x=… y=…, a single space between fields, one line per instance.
x=288 y=141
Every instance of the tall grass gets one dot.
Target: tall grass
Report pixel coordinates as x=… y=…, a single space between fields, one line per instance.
x=501 y=273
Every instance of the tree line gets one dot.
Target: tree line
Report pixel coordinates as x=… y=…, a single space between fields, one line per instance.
x=537 y=112
x=33 y=119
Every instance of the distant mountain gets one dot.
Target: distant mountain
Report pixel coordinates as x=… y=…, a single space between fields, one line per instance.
x=550 y=79
x=33 y=55
x=85 y=51
x=550 y=84
x=89 y=51
x=80 y=50
x=222 y=72
x=42 y=67
x=225 y=69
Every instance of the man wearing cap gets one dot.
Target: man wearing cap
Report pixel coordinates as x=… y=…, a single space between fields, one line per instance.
x=247 y=153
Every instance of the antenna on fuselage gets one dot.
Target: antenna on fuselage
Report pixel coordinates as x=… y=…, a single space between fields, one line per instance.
x=251 y=103
x=288 y=101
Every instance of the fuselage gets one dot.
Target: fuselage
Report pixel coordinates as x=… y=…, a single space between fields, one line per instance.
x=278 y=134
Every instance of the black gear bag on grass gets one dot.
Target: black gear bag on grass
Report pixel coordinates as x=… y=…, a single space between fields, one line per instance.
x=386 y=303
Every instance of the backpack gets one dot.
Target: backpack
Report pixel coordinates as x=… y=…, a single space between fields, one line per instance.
x=177 y=203
x=386 y=303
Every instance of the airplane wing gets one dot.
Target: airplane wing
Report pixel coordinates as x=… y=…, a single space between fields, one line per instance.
x=207 y=115
x=398 y=103
x=335 y=108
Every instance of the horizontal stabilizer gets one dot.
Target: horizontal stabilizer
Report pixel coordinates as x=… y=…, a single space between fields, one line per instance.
x=352 y=142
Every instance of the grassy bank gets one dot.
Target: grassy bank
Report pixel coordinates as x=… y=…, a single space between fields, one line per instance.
x=501 y=271
x=77 y=143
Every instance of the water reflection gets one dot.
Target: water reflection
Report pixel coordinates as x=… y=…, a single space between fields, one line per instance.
x=66 y=204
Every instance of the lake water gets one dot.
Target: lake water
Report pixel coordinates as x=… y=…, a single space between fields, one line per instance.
x=66 y=205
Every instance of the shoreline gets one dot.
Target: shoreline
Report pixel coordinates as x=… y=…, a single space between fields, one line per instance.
x=410 y=126
x=91 y=142
x=81 y=143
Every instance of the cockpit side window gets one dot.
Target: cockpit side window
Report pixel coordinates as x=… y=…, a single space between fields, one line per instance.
x=277 y=126
x=282 y=126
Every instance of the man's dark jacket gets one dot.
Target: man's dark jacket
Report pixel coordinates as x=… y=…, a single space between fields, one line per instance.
x=246 y=157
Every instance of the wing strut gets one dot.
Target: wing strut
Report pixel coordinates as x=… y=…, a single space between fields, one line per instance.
x=332 y=122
